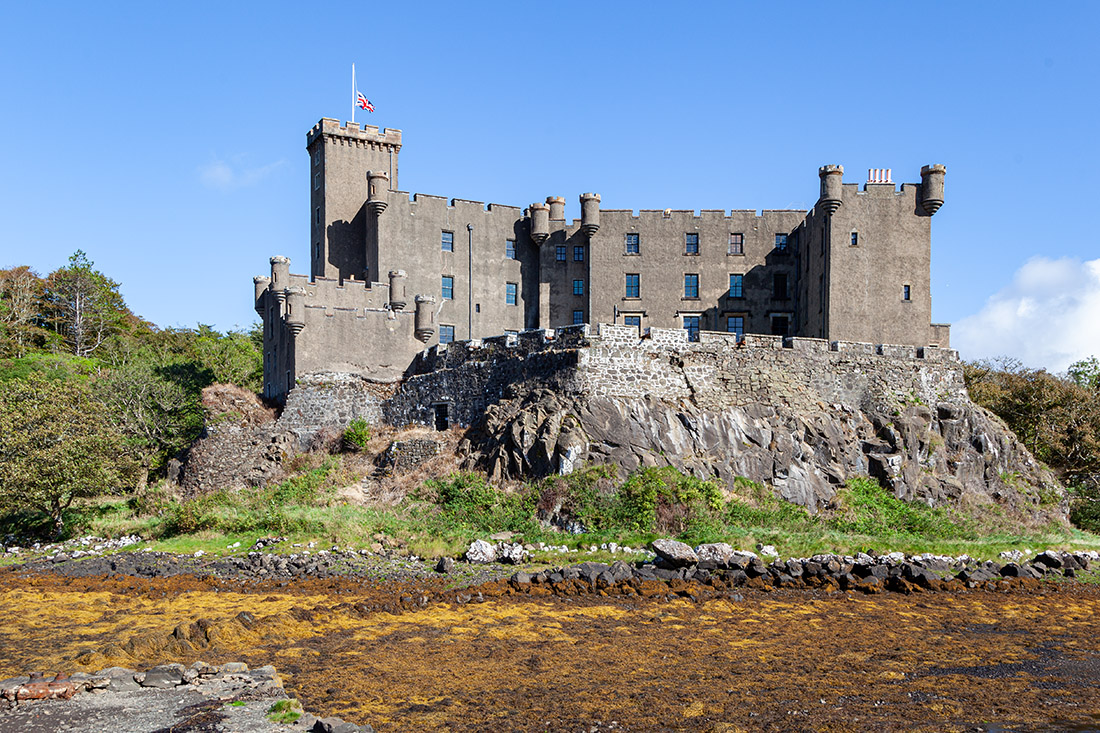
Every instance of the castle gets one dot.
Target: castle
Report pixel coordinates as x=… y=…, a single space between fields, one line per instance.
x=392 y=275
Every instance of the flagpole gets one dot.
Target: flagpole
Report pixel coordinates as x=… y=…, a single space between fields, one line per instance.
x=353 y=91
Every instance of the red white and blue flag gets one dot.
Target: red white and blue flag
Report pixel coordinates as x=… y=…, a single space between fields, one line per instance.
x=363 y=102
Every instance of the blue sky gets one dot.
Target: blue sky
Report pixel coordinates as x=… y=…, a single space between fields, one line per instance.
x=167 y=140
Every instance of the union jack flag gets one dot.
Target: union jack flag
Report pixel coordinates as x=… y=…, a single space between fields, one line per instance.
x=364 y=103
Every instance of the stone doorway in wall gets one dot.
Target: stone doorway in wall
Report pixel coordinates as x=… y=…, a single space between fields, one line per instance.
x=442 y=415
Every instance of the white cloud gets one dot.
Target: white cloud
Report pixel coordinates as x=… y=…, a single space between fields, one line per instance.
x=224 y=175
x=1049 y=316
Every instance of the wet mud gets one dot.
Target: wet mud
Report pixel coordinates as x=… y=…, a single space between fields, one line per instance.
x=417 y=656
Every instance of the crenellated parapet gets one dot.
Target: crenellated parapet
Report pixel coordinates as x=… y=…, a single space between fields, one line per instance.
x=353 y=134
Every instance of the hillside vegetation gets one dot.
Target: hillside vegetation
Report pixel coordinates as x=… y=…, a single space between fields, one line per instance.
x=95 y=401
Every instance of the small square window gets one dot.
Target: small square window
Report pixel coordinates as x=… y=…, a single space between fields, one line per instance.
x=510 y=293
x=446 y=334
x=691 y=244
x=559 y=253
x=578 y=287
x=737 y=244
x=905 y=292
x=781 y=242
x=447 y=241
x=578 y=317
x=633 y=286
x=448 y=287
x=635 y=321
x=633 y=244
x=509 y=249
x=737 y=285
x=691 y=325
x=735 y=324
x=855 y=239
x=578 y=253
x=691 y=286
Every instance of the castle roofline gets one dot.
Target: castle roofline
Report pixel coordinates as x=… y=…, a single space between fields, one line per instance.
x=354 y=130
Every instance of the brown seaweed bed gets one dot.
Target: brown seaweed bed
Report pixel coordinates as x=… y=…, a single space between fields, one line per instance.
x=416 y=656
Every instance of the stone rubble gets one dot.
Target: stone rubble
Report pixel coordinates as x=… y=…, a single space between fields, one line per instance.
x=223 y=683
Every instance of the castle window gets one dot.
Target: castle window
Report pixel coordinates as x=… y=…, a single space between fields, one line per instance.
x=446 y=334
x=735 y=324
x=779 y=286
x=633 y=286
x=633 y=244
x=855 y=239
x=578 y=253
x=559 y=253
x=905 y=292
x=316 y=180
x=691 y=325
x=448 y=287
x=737 y=285
x=578 y=287
x=578 y=318
x=691 y=286
x=780 y=325
x=737 y=244
x=509 y=249
x=447 y=241
x=317 y=215
x=510 y=293
x=691 y=244
x=635 y=321
x=781 y=242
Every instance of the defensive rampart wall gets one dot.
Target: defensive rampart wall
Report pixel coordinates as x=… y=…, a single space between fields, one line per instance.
x=716 y=372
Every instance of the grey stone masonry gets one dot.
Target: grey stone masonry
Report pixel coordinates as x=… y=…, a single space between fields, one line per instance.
x=716 y=372
x=331 y=399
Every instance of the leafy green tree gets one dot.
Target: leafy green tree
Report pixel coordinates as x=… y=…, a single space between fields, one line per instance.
x=233 y=357
x=83 y=305
x=158 y=412
x=57 y=444
x=1086 y=373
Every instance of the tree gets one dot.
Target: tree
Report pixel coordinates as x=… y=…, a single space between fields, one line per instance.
x=20 y=311
x=84 y=305
x=1086 y=373
x=57 y=444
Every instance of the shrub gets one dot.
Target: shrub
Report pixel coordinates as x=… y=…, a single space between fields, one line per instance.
x=468 y=500
x=872 y=510
x=357 y=434
x=664 y=500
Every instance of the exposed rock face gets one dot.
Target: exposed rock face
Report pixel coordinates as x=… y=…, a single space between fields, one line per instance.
x=240 y=445
x=955 y=453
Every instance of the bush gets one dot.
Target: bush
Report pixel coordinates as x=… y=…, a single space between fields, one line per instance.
x=1084 y=509
x=664 y=500
x=467 y=500
x=872 y=510
x=56 y=445
x=357 y=434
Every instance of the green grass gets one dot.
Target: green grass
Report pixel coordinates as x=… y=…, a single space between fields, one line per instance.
x=447 y=513
x=285 y=711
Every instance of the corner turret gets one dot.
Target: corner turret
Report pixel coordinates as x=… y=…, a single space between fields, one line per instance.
x=557 y=207
x=931 y=187
x=280 y=276
x=590 y=213
x=261 y=284
x=424 y=321
x=540 y=222
x=398 y=279
x=378 y=185
x=832 y=182
x=295 y=308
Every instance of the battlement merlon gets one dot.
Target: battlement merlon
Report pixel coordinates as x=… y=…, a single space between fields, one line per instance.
x=354 y=131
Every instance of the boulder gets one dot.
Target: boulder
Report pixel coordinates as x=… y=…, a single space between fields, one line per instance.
x=717 y=552
x=674 y=552
x=513 y=554
x=481 y=552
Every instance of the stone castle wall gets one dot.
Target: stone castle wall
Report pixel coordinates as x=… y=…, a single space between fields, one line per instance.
x=716 y=372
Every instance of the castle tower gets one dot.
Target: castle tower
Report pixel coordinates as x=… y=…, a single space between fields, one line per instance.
x=340 y=158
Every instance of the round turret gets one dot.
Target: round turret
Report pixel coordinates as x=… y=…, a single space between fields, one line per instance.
x=295 y=309
x=540 y=222
x=590 y=213
x=398 y=279
x=557 y=207
x=424 y=320
x=931 y=187
x=832 y=187
x=378 y=186
x=280 y=276
x=262 y=284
